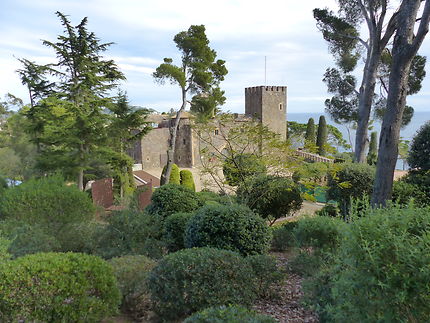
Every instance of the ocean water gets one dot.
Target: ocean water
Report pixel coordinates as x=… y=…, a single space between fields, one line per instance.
x=407 y=133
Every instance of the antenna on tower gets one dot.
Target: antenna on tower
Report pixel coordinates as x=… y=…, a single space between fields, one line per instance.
x=265 y=70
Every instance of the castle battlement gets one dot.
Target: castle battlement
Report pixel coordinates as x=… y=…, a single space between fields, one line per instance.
x=258 y=89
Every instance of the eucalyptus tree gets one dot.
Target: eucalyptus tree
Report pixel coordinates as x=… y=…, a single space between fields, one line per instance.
x=346 y=34
x=407 y=41
x=198 y=73
x=80 y=93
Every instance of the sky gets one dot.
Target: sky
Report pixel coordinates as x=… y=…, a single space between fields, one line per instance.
x=244 y=33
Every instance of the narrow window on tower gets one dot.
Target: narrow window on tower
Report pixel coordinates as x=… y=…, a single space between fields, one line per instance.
x=280 y=106
x=216 y=132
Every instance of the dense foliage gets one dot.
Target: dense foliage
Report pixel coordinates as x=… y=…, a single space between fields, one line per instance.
x=384 y=259
x=54 y=205
x=271 y=197
x=131 y=273
x=187 y=179
x=234 y=227
x=174 y=230
x=238 y=168
x=130 y=233
x=228 y=314
x=283 y=236
x=172 y=198
x=322 y=133
x=419 y=152
x=55 y=287
x=349 y=182
x=193 y=279
x=175 y=177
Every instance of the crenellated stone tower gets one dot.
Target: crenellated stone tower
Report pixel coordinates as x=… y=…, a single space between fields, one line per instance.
x=269 y=105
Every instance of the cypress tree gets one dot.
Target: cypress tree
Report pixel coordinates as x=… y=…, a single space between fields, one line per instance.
x=322 y=136
x=310 y=134
x=372 y=155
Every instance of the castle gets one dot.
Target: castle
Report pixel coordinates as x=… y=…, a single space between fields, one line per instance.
x=267 y=104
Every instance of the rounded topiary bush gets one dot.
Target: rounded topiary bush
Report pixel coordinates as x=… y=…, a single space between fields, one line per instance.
x=172 y=198
x=187 y=179
x=231 y=227
x=174 y=230
x=54 y=205
x=228 y=314
x=57 y=287
x=131 y=273
x=193 y=279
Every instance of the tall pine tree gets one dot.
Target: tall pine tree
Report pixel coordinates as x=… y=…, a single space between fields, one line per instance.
x=74 y=106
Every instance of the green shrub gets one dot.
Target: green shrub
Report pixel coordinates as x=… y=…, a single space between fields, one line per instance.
x=29 y=239
x=193 y=279
x=187 y=179
x=404 y=193
x=270 y=196
x=53 y=204
x=419 y=156
x=234 y=227
x=230 y=314
x=174 y=231
x=283 y=236
x=131 y=273
x=330 y=209
x=307 y=263
x=420 y=178
x=172 y=198
x=381 y=273
x=241 y=166
x=351 y=181
x=207 y=197
x=82 y=237
x=4 y=246
x=319 y=232
x=129 y=233
x=266 y=274
x=174 y=175
x=55 y=287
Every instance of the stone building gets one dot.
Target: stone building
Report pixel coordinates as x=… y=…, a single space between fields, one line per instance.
x=267 y=104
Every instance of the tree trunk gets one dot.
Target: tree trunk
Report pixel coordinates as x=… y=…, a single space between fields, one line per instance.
x=405 y=47
x=81 y=169
x=172 y=145
x=365 y=100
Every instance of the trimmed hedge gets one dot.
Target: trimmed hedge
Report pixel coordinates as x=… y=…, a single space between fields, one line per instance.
x=187 y=179
x=174 y=175
x=193 y=279
x=131 y=273
x=230 y=314
x=234 y=227
x=57 y=287
x=172 y=198
x=54 y=205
